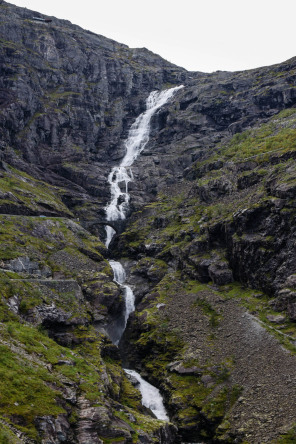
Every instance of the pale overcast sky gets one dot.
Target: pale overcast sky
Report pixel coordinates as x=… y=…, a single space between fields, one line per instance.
x=200 y=35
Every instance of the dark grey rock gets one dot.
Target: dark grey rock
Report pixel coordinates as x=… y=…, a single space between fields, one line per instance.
x=220 y=273
x=181 y=370
x=24 y=265
x=54 y=430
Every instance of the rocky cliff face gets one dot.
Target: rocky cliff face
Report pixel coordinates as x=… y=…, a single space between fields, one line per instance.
x=68 y=97
x=209 y=244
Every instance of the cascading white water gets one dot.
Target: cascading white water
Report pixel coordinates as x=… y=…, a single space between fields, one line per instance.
x=120 y=176
x=151 y=397
x=119 y=277
x=117 y=209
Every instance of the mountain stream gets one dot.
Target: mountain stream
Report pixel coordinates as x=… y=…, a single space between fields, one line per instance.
x=117 y=209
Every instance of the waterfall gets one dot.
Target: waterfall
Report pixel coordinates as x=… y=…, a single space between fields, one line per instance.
x=151 y=397
x=121 y=175
x=117 y=209
x=116 y=331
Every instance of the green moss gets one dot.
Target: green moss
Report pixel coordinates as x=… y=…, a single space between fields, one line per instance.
x=285 y=113
x=129 y=395
x=260 y=143
x=56 y=95
x=209 y=311
x=258 y=304
x=215 y=408
x=41 y=238
x=23 y=190
x=194 y=286
x=28 y=295
x=27 y=387
x=135 y=235
x=30 y=298
x=6 y=274
x=35 y=341
x=190 y=391
x=24 y=391
x=7 y=436
x=287 y=438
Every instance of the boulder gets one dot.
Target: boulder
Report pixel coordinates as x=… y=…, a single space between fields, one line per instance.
x=220 y=273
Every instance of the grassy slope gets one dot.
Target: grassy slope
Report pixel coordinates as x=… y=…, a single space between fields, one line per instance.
x=36 y=372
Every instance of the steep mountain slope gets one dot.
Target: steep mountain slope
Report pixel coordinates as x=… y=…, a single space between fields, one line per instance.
x=68 y=97
x=209 y=244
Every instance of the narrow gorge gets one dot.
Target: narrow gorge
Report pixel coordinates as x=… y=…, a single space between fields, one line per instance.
x=147 y=260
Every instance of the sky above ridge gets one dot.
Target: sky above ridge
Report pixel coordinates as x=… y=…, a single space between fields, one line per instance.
x=200 y=35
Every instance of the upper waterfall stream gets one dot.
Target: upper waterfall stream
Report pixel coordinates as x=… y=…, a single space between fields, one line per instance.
x=121 y=175
x=117 y=209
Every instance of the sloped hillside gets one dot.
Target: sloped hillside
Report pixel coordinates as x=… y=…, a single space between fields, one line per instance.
x=208 y=244
x=61 y=89
x=213 y=266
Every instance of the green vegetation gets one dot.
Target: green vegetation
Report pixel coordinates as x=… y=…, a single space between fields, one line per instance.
x=162 y=347
x=40 y=238
x=34 y=369
x=24 y=391
x=287 y=438
x=182 y=230
x=6 y=435
x=284 y=114
x=260 y=143
x=217 y=406
x=209 y=311
x=20 y=190
x=56 y=95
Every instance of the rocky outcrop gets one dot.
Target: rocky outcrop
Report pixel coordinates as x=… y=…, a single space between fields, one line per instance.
x=57 y=298
x=202 y=118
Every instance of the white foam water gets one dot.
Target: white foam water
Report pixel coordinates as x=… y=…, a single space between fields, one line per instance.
x=121 y=175
x=119 y=277
x=151 y=397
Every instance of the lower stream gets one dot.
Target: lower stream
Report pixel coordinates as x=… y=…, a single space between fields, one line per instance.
x=151 y=397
